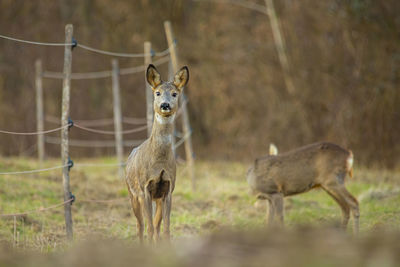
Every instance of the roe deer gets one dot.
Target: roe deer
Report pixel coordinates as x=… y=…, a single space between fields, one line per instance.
x=151 y=167
x=324 y=165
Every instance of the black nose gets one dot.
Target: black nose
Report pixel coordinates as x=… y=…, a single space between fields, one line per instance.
x=165 y=106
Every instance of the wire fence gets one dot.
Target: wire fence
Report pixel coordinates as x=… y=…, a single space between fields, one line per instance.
x=63 y=166
x=129 y=55
x=35 y=171
x=130 y=120
x=86 y=124
x=37 y=132
x=92 y=143
x=43 y=209
x=78 y=76
x=100 y=164
x=134 y=130
x=73 y=199
x=99 y=122
x=102 y=74
x=105 y=200
x=33 y=42
x=88 y=48
x=126 y=71
x=58 y=140
x=97 y=201
x=37 y=210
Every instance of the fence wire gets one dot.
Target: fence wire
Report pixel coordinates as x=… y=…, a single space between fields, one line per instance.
x=35 y=133
x=91 y=143
x=131 y=120
x=99 y=164
x=99 y=122
x=99 y=51
x=104 y=200
x=126 y=71
x=78 y=75
x=37 y=210
x=134 y=130
x=102 y=74
x=33 y=42
x=35 y=171
x=116 y=54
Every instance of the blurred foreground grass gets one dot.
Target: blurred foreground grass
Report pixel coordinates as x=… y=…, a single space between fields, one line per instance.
x=222 y=200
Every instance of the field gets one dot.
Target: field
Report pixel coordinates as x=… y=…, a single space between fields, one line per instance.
x=222 y=201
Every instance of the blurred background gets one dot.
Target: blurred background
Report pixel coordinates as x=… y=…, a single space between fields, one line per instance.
x=343 y=56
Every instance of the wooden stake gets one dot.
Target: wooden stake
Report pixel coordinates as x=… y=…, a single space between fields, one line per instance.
x=149 y=92
x=39 y=109
x=185 y=115
x=170 y=78
x=119 y=146
x=64 y=131
x=280 y=46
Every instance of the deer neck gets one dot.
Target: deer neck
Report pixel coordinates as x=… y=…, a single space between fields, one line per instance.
x=161 y=133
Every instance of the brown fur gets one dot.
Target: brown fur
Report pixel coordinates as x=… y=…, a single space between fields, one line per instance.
x=151 y=167
x=323 y=164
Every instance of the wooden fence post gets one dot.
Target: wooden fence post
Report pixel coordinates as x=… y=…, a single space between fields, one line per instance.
x=117 y=117
x=170 y=78
x=149 y=92
x=280 y=46
x=39 y=108
x=64 y=132
x=185 y=115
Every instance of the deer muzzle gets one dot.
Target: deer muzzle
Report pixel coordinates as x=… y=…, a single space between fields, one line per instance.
x=165 y=107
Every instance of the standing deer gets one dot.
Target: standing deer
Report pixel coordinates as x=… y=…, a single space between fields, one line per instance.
x=324 y=165
x=151 y=167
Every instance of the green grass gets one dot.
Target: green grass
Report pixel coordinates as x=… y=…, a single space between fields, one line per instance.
x=222 y=200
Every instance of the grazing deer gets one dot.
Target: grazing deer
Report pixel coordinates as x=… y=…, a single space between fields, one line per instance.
x=324 y=165
x=151 y=167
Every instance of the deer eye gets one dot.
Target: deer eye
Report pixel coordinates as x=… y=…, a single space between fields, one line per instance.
x=174 y=94
x=158 y=93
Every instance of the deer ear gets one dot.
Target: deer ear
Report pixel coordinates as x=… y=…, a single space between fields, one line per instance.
x=181 y=78
x=153 y=77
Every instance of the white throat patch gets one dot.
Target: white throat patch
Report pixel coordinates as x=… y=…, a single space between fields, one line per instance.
x=165 y=120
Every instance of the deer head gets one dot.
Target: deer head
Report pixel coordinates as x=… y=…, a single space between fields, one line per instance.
x=166 y=94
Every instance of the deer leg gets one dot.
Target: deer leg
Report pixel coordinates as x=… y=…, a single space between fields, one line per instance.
x=277 y=199
x=342 y=203
x=158 y=217
x=148 y=207
x=137 y=210
x=166 y=212
x=355 y=210
x=270 y=212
